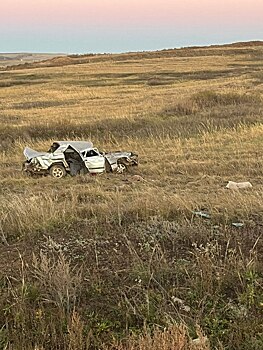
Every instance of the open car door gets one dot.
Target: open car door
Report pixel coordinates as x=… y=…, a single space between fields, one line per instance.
x=94 y=161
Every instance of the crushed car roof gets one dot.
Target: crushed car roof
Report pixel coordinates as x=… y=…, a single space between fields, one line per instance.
x=78 y=145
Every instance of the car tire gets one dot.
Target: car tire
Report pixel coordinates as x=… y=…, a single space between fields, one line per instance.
x=58 y=171
x=121 y=168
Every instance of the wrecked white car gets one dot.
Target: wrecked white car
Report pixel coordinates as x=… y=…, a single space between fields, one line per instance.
x=76 y=157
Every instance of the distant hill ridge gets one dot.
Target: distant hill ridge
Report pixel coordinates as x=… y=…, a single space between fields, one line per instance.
x=65 y=60
x=12 y=59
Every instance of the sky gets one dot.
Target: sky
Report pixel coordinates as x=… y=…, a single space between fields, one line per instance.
x=91 y=26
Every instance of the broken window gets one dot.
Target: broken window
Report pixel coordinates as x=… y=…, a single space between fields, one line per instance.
x=91 y=153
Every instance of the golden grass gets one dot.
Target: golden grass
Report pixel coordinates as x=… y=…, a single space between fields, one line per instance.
x=196 y=122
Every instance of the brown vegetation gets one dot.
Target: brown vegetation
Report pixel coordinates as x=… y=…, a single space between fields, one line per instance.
x=239 y=48
x=110 y=263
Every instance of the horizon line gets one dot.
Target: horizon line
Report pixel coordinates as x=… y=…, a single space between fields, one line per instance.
x=128 y=52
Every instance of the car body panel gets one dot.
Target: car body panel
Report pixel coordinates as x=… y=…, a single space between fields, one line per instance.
x=43 y=160
x=94 y=161
x=30 y=153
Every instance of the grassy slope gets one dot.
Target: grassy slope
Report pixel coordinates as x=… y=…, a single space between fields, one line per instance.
x=117 y=253
x=12 y=59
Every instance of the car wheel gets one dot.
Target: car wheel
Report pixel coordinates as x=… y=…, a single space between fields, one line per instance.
x=57 y=171
x=121 y=168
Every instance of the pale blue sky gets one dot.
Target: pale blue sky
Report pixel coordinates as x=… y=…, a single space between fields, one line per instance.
x=81 y=26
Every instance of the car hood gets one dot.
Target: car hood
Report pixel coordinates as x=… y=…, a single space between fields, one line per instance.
x=113 y=157
x=29 y=153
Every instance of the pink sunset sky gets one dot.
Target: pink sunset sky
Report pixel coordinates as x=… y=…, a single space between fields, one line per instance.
x=125 y=25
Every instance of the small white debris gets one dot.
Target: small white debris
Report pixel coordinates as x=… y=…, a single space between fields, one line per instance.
x=202 y=214
x=238 y=185
x=181 y=303
x=237 y=224
x=177 y=300
x=200 y=341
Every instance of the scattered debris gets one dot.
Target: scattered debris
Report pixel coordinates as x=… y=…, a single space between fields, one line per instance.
x=202 y=214
x=76 y=157
x=206 y=215
x=237 y=224
x=200 y=343
x=238 y=185
x=181 y=303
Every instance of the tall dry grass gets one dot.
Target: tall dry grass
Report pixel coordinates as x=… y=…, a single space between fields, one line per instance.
x=174 y=337
x=110 y=262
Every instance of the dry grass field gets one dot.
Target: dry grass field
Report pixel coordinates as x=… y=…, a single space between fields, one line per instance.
x=107 y=262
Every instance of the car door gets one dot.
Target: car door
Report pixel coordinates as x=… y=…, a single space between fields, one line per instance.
x=94 y=161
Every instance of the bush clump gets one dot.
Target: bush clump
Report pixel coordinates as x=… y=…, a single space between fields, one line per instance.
x=209 y=99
